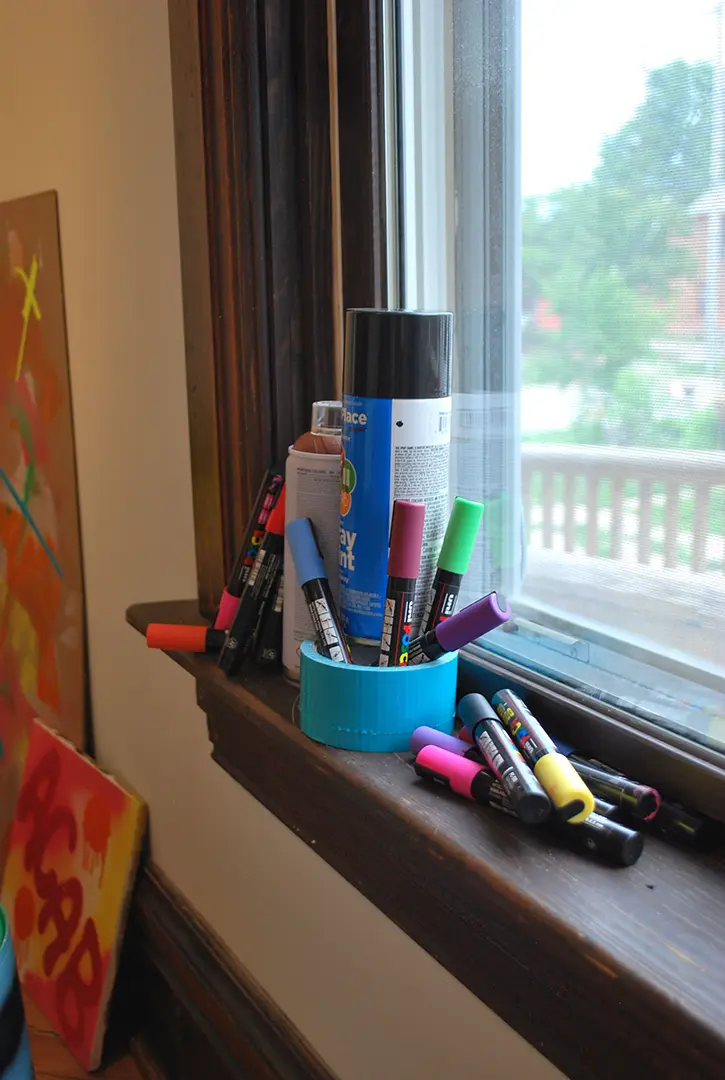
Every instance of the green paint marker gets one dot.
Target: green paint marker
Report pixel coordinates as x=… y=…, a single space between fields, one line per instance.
x=453 y=562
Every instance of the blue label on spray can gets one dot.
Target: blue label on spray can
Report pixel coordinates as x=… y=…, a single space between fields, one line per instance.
x=365 y=513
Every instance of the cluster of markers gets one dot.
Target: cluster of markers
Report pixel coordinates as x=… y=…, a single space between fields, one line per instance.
x=442 y=629
x=249 y=618
x=504 y=758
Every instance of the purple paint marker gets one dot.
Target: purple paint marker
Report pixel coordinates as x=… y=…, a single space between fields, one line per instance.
x=406 y=541
x=428 y=736
x=461 y=629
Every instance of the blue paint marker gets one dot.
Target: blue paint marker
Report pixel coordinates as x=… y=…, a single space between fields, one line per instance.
x=312 y=576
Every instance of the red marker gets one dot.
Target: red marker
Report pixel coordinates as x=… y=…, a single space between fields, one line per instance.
x=174 y=638
x=253 y=536
x=406 y=542
x=256 y=592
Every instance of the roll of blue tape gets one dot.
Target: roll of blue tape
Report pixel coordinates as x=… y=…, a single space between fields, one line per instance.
x=15 y=1060
x=371 y=708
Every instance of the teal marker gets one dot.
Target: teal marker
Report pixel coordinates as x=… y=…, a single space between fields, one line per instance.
x=453 y=561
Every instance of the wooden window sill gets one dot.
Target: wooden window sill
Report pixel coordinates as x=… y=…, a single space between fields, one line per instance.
x=607 y=972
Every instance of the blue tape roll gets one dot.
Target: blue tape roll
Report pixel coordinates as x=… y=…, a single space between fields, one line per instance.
x=15 y=1060
x=371 y=708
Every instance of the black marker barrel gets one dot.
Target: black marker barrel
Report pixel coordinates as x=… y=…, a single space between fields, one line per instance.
x=453 y=561
x=255 y=592
x=268 y=649
x=639 y=800
x=527 y=796
x=253 y=536
x=406 y=542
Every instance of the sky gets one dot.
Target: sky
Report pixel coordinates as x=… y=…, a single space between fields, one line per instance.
x=584 y=70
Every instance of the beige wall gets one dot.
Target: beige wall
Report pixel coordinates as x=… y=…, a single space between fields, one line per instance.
x=85 y=107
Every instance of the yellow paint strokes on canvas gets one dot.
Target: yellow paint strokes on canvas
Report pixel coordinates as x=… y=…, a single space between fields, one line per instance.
x=126 y=831
x=24 y=642
x=30 y=307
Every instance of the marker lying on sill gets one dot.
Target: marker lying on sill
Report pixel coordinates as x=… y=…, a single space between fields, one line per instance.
x=597 y=834
x=253 y=536
x=256 y=591
x=671 y=821
x=174 y=638
x=572 y=799
x=458 y=542
x=406 y=542
x=527 y=797
x=312 y=576
x=639 y=800
x=428 y=736
x=461 y=629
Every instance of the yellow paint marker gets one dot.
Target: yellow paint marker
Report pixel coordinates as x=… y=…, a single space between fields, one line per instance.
x=572 y=799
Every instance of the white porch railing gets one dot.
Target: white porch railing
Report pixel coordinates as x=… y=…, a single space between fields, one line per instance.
x=654 y=507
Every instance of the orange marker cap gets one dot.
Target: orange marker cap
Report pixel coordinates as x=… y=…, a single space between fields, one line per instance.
x=276 y=518
x=176 y=638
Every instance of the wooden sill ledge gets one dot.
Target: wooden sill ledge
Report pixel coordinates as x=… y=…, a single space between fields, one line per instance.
x=608 y=972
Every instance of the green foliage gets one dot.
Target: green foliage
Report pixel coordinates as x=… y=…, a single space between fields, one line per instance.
x=603 y=254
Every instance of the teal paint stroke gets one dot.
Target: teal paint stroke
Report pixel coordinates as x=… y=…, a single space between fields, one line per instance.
x=31 y=522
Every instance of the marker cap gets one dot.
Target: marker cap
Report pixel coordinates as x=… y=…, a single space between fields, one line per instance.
x=305 y=552
x=461 y=532
x=565 y=787
x=473 y=708
x=472 y=622
x=176 y=638
x=459 y=771
x=428 y=736
x=276 y=518
x=406 y=539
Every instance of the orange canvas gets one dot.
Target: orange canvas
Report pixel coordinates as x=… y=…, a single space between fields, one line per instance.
x=42 y=650
x=73 y=854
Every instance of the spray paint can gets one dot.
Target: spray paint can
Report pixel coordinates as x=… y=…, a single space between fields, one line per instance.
x=396 y=445
x=15 y=1061
x=313 y=491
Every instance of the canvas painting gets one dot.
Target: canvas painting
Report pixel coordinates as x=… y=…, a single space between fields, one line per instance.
x=42 y=647
x=74 y=850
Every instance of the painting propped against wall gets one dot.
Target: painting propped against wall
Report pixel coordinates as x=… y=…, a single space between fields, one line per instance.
x=73 y=854
x=42 y=639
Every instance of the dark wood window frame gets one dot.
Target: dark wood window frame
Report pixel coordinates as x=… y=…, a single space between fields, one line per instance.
x=265 y=274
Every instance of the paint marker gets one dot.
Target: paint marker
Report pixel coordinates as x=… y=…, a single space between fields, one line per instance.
x=461 y=629
x=256 y=591
x=461 y=532
x=174 y=638
x=572 y=799
x=527 y=797
x=607 y=839
x=684 y=826
x=312 y=576
x=406 y=542
x=639 y=800
x=253 y=536
x=428 y=736
x=268 y=647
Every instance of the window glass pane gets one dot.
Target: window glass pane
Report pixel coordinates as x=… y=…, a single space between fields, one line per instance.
x=587 y=192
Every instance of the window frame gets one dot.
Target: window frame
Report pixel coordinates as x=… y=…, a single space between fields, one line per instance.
x=264 y=288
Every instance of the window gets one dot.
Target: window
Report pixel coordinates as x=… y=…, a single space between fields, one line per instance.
x=562 y=187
